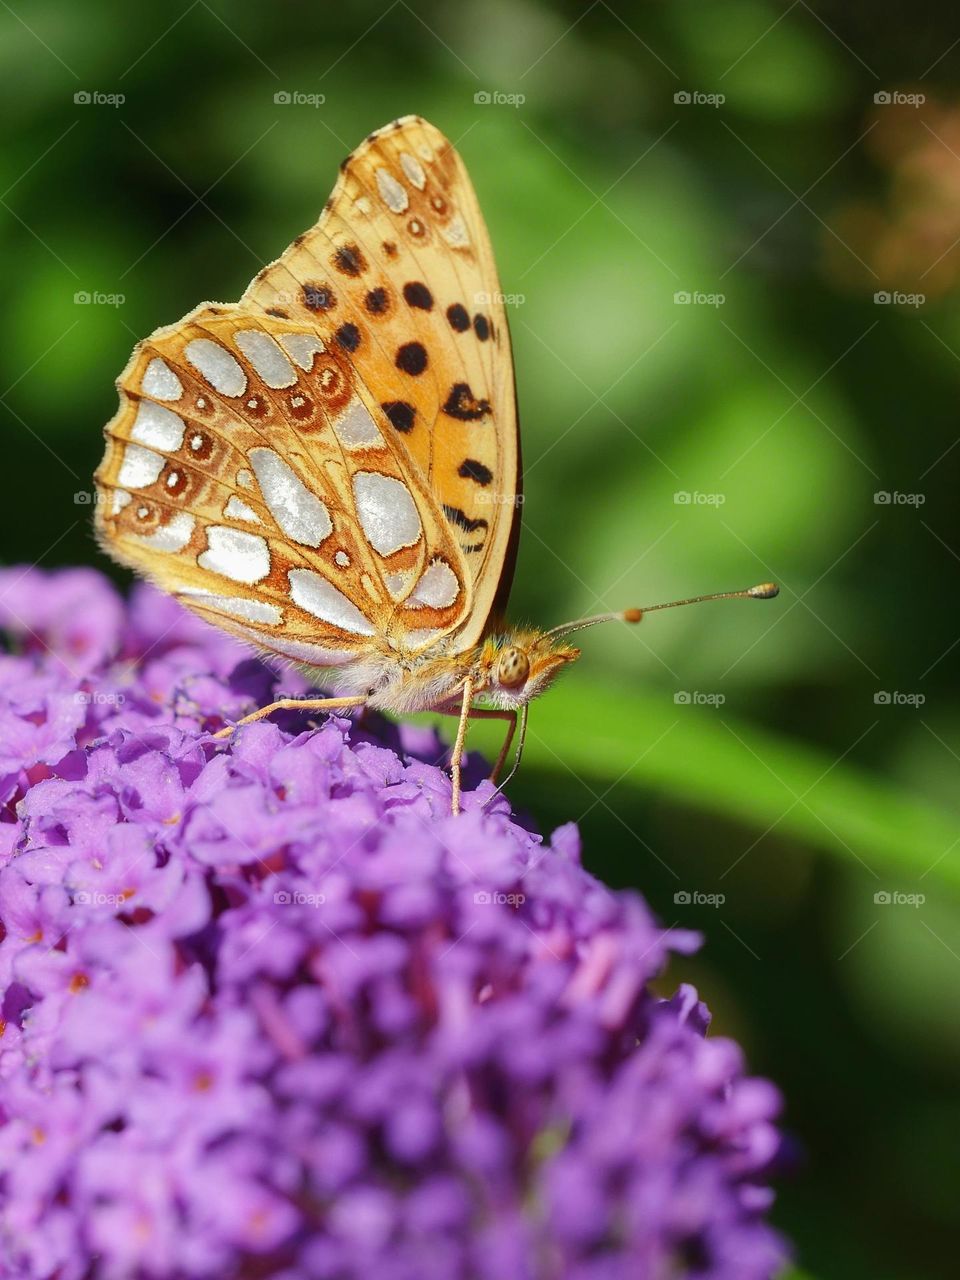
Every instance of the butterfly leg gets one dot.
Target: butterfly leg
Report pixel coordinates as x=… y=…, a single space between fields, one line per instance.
x=496 y=713
x=293 y=704
x=455 y=766
x=524 y=710
x=466 y=714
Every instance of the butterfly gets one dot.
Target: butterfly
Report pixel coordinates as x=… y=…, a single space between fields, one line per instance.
x=330 y=469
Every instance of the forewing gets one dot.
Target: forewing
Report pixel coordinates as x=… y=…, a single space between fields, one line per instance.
x=399 y=271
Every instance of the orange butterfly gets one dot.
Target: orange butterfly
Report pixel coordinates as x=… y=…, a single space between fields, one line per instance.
x=330 y=468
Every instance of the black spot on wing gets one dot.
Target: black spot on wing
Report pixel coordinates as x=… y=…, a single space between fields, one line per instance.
x=400 y=414
x=348 y=337
x=471 y=469
x=458 y=517
x=417 y=294
x=349 y=260
x=457 y=315
x=377 y=301
x=412 y=358
x=481 y=326
x=462 y=404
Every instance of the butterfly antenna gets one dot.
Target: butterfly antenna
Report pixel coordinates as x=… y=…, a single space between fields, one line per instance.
x=764 y=591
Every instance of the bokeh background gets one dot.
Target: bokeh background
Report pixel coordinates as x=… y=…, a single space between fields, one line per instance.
x=732 y=229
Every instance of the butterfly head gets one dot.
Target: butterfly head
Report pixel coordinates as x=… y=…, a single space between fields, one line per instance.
x=517 y=667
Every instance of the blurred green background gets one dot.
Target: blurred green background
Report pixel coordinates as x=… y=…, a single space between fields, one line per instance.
x=760 y=772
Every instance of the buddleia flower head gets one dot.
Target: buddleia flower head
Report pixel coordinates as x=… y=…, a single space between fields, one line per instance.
x=270 y=1011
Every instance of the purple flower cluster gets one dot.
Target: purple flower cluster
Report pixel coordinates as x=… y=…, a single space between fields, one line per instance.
x=268 y=1010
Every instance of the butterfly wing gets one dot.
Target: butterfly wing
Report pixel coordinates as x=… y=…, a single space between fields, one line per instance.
x=287 y=469
x=249 y=473
x=401 y=264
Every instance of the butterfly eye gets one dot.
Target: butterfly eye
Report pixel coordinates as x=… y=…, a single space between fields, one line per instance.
x=513 y=667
